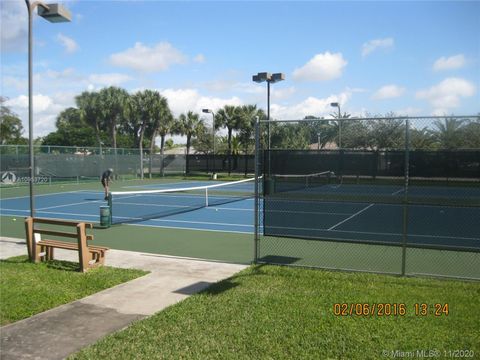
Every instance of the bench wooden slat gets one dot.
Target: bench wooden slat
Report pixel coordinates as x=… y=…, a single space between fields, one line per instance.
x=60 y=222
x=60 y=233
x=59 y=244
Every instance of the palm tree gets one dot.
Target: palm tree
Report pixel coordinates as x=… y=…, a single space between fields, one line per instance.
x=88 y=103
x=189 y=125
x=230 y=118
x=248 y=114
x=144 y=107
x=113 y=105
x=161 y=124
x=448 y=133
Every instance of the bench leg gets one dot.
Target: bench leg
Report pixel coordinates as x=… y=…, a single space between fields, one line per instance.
x=50 y=253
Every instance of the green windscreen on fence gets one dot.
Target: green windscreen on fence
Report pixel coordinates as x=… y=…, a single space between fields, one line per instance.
x=394 y=188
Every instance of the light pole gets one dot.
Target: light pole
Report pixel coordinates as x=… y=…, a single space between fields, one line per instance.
x=53 y=13
x=318 y=141
x=270 y=79
x=336 y=104
x=210 y=111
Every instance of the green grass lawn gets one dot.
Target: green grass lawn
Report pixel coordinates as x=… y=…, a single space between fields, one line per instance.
x=270 y=312
x=27 y=289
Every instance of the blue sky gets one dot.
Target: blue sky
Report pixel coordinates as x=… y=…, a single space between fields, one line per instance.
x=412 y=58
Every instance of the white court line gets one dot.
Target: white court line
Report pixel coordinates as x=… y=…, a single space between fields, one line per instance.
x=396 y=192
x=72 y=204
x=376 y=233
x=351 y=217
x=28 y=196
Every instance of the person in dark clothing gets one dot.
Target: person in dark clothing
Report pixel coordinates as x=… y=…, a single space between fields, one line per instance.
x=106 y=178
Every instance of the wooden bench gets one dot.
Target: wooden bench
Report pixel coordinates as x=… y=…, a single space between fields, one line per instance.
x=89 y=256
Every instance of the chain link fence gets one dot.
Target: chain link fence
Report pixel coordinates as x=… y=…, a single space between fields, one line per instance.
x=61 y=163
x=399 y=196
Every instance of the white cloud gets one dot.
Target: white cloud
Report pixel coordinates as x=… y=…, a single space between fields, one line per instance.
x=388 y=92
x=408 y=111
x=148 y=59
x=200 y=58
x=446 y=95
x=13 y=28
x=183 y=100
x=321 y=67
x=113 y=79
x=372 y=45
x=68 y=43
x=310 y=106
x=450 y=63
x=45 y=110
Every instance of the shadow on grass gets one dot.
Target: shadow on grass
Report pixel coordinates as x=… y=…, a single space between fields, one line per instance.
x=51 y=264
x=62 y=265
x=22 y=259
x=220 y=287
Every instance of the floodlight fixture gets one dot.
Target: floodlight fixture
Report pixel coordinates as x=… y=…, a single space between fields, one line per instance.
x=277 y=77
x=54 y=13
x=261 y=77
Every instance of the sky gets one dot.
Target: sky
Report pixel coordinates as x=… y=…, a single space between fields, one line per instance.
x=414 y=58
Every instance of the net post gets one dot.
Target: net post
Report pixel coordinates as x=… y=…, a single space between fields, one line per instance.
x=206 y=197
x=109 y=202
x=257 y=195
x=405 y=197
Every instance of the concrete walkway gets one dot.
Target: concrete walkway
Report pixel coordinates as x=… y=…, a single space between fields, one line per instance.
x=61 y=331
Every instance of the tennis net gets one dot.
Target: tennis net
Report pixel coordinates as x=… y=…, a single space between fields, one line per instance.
x=141 y=205
x=294 y=182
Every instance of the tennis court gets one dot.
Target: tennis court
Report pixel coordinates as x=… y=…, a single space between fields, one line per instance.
x=230 y=210
x=341 y=213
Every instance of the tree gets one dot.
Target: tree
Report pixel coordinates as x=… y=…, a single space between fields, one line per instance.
x=88 y=105
x=422 y=139
x=319 y=130
x=11 y=127
x=113 y=102
x=471 y=133
x=386 y=134
x=189 y=125
x=161 y=125
x=289 y=136
x=72 y=130
x=449 y=133
x=248 y=115
x=143 y=109
x=203 y=142
x=228 y=117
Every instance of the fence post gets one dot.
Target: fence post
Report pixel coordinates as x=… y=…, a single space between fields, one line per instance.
x=257 y=195
x=405 y=197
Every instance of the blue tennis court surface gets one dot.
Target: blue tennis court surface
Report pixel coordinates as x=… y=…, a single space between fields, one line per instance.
x=457 y=226
x=234 y=216
x=436 y=215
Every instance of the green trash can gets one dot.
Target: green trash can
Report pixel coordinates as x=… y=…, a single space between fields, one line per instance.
x=269 y=186
x=105 y=216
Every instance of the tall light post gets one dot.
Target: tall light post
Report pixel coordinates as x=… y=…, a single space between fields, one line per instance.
x=53 y=13
x=270 y=79
x=336 y=104
x=318 y=141
x=210 y=111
